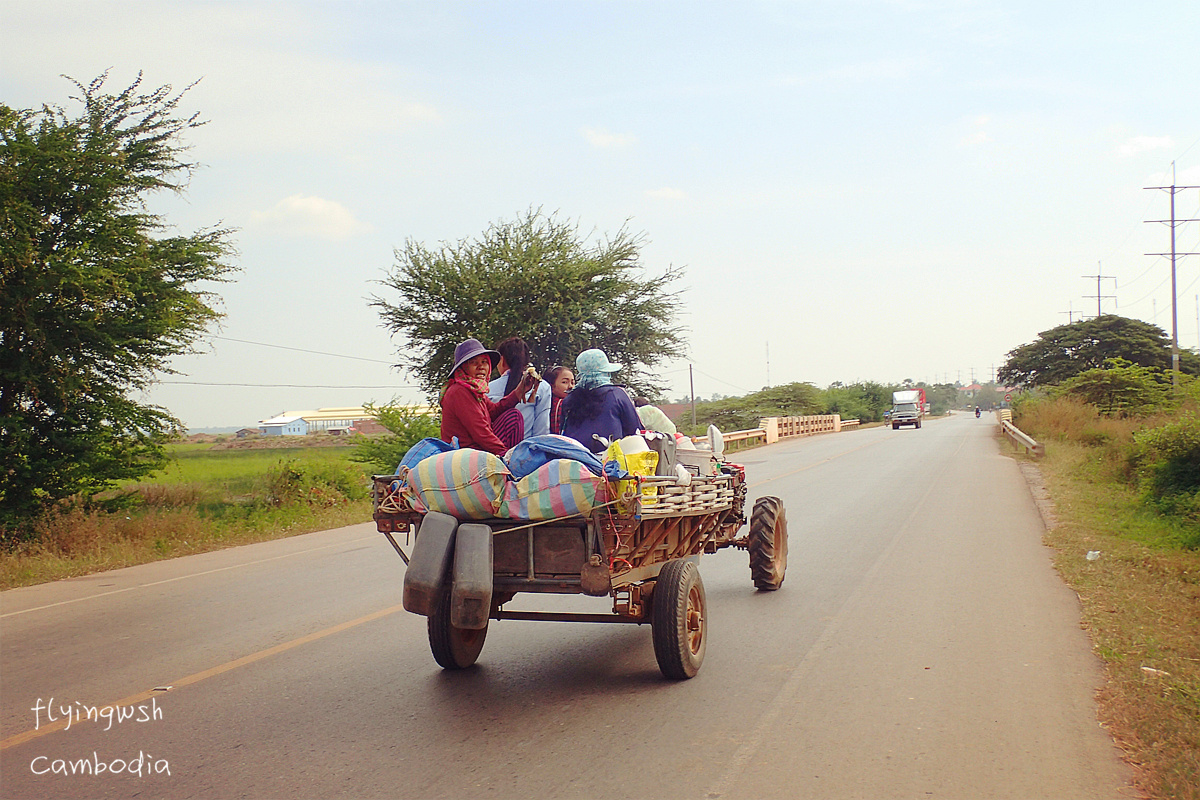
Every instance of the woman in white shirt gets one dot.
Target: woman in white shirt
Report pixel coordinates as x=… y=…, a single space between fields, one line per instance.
x=514 y=360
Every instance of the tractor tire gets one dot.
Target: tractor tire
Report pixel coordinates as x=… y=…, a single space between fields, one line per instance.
x=768 y=543
x=678 y=621
x=453 y=648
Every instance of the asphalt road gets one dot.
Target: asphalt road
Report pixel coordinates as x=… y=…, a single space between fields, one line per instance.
x=921 y=647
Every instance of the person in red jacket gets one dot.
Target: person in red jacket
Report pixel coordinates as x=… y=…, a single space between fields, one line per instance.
x=467 y=413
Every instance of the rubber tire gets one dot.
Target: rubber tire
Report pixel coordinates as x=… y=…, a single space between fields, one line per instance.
x=895 y=427
x=768 y=543
x=678 y=620
x=453 y=648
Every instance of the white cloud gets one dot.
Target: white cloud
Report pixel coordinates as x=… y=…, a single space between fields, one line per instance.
x=977 y=133
x=666 y=193
x=1140 y=144
x=309 y=216
x=604 y=139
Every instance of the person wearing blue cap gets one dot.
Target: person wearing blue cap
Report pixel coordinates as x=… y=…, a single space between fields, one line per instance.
x=597 y=406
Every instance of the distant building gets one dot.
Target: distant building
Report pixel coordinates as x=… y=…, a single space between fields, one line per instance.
x=244 y=432
x=283 y=425
x=338 y=421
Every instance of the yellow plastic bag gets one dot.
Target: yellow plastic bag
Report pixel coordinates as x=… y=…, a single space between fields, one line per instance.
x=635 y=464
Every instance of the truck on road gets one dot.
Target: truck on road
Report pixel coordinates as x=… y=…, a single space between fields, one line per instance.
x=908 y=407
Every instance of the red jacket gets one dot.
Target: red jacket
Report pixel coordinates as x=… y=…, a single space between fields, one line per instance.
x=469 y=417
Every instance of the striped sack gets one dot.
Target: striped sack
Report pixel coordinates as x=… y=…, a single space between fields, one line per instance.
x=559 y=488
x=466 y=484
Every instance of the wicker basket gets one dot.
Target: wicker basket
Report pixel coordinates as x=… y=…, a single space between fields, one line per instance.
x=704 y=494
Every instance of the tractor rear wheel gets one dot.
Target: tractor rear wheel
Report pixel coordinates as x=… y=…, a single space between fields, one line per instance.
x=768 y=543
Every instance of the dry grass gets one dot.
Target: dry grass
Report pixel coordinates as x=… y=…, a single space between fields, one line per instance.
x=1141 y=605
x=77 y=542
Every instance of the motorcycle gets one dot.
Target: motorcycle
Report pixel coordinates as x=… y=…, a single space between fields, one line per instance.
x=976 y=412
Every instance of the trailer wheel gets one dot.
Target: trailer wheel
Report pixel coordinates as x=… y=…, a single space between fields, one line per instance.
x=453 y=648
x=768 y=543
x=678 y=620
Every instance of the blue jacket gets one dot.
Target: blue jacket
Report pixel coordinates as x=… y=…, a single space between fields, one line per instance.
x=617 y=417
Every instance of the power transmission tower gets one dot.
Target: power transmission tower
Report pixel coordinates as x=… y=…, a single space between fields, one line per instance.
x=1173 y=223
x=1097 y=295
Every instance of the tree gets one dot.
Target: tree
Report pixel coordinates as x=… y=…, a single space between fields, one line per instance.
x=536 y=278
x=1068 y=350
x=1120 y=388
x=95 y=297
x=406 y=426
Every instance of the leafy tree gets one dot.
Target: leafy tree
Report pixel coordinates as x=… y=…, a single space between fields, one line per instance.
x=862 y=401
x=407 y=425
x=1120 y=388
x=1068 y=350
x=536 y=278
x=744 y=413
x=95 y=296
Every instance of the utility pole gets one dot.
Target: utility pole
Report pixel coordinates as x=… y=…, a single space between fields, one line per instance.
x=1070 y=312
x=1174 y=223
x=692 y=392
x=1099 y=296
x=768 y=365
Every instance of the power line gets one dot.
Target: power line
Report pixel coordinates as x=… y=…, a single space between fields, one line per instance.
x=302 y=350
x=279 y=385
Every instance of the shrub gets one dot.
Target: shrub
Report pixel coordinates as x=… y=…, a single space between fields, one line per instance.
x=315 y=483
x=407 y=426
x=1168 y=458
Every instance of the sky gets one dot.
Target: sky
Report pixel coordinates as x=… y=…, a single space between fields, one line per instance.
x=865 y=190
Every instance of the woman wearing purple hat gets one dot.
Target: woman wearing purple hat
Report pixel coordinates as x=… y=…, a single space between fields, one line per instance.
x=466 y=410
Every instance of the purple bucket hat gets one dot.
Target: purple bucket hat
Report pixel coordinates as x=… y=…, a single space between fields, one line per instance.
x=468 y=350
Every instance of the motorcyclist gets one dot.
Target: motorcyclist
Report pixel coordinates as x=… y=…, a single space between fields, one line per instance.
x=976 y=412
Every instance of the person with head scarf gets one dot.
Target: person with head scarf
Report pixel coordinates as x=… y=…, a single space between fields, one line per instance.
x=514 y=360
x=597 y=406
x=467 y=413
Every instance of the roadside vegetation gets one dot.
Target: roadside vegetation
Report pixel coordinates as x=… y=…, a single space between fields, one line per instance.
x=208 y=496
x=1122 y=465
x=865 y=401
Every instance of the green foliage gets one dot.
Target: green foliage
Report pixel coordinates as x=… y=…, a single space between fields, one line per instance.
x=1063 y=352
x=316 y=483
x=1121 y=388
x=1168 y=459
x=95 y=296
x=538 y=279
x=861 y=401
x=941 y=397
x=744 y=413
x=407 y=425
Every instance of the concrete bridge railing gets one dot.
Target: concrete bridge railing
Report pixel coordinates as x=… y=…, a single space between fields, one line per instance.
x=772 y=429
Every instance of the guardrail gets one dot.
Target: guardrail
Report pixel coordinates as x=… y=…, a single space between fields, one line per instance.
x=772 y=429
x=1019 y=438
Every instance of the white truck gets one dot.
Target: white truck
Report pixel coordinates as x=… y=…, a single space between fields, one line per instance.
x=908 y=406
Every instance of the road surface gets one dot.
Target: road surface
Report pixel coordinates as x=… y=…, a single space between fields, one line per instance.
x=921 y=647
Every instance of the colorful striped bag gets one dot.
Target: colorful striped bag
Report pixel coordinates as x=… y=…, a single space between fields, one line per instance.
x=466 y=484
x=560 y=488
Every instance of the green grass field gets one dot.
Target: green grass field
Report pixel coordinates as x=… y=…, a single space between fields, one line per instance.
x=204 y=499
